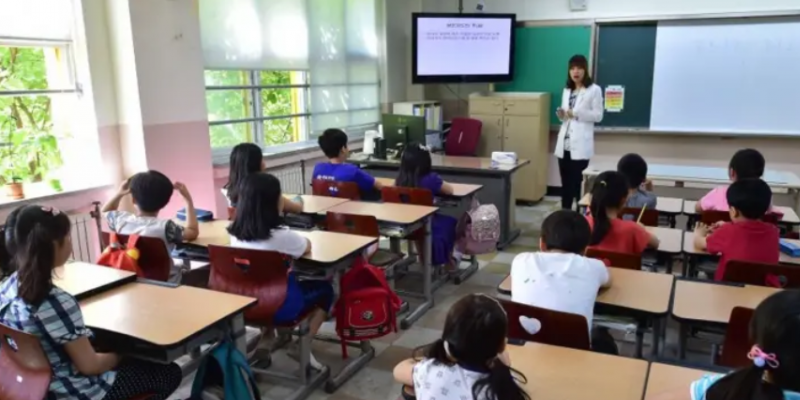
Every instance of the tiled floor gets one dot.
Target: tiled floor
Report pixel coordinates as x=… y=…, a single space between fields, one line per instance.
x=375 y=381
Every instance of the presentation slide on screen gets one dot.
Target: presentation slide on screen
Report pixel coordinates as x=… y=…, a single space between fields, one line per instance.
x=463 y=46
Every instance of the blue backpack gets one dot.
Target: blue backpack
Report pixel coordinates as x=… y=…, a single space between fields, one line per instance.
x=228 y=367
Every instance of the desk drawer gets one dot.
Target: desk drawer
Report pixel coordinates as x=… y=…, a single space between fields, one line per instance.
x=486 y=106
x=527 y=107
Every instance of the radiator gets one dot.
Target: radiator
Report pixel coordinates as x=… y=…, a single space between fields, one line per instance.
x=85 y=235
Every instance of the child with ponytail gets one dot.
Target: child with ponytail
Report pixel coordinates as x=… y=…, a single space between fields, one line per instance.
x=775 y=330
x=30 y=302
x=609 y=232
x=469 y=361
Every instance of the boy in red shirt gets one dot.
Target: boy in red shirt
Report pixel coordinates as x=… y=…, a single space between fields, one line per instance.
x=747 y=237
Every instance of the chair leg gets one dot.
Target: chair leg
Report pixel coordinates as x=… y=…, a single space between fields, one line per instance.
x=305 y=351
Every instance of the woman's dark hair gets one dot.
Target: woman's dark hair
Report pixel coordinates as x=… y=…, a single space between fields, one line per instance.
x=475 y=332
x=580 y=62
x=35 y=231
x=414 y=165
x=8 y=244
x=609 y=191
x=257 y=208
x=245 y=159
x=775 y=329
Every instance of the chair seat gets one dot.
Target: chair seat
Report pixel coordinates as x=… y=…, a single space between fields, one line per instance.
x=384 y=258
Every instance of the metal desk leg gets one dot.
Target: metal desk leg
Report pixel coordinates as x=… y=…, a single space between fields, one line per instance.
x=352 y=367
x=507 y=234
x=683 y=334
x=656 y=338
x=639 y=340
x=239 y=333
x=427 y=284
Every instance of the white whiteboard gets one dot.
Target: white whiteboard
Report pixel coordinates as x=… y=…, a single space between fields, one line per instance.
x=733 y=76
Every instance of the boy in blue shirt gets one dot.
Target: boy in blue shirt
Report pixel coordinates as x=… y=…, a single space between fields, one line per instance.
x=333 y=143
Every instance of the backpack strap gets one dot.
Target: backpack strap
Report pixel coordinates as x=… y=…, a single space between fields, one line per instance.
x=132 y=241
x=113 y=238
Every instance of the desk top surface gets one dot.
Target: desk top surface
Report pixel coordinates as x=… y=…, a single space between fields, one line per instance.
x=636 y=290
x=668 y=205
x=789 y=215
x=689 y=248
x=700 y=174
x=163 y=316
x=563 y=373
x=710 y=302
x=316 y=204
x=439 y=161
x=79 y=278
x=671 y=239
x=667 y=378
x=403 y=214
x=459 y=189
x=326 y=247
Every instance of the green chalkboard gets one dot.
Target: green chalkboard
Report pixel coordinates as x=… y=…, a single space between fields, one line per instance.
x=542 y=54
x=626 y=57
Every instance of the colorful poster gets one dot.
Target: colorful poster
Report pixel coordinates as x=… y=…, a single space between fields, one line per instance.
x=615 y=98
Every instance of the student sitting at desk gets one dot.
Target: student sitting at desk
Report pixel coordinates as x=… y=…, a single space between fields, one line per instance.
x=29 y=302
x=246 y=159
x=747 y=237
x=745 y=164
x=258 y=225
x=640 y=190
x=609 y=232
x=773 y=374
x=415 y=172
x=469 y=361
x=333 y=143
x=559 y=277
x=151 y=192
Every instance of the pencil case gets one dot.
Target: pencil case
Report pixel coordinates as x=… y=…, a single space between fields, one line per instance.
x=202 y=215
x=790 y=248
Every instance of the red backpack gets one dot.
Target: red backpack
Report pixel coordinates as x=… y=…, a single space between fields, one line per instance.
x=121 y=256
x=367 y=307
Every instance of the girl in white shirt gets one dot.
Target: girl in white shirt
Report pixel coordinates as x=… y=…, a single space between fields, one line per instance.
x=469 y=361
x=258 y=225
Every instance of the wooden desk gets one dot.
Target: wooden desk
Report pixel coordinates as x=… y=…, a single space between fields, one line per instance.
x=402 y=214
x=710 y=302
x=83 y=280
x=459 y=189
x=664 y=205
x=643 y=291
x=558 y=373
x=790 y=217
x=667 y=378
x=690 y=249
x=316 y=204
x=671 y=239
x=326 y=247
x=159 y=315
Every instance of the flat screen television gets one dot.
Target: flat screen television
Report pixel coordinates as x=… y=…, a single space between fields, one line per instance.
x=455 y=48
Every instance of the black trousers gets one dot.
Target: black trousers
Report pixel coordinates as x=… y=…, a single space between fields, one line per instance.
x=571 y=178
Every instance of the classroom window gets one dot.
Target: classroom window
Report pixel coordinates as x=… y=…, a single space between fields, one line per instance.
x=272 y=79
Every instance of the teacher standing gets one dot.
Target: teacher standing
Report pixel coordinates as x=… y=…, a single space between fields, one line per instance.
x=581 y=107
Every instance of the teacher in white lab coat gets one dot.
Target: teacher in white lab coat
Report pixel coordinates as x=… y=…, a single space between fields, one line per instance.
x=581 y=108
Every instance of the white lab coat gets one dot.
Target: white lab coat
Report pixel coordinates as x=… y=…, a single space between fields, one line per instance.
x=588 y=110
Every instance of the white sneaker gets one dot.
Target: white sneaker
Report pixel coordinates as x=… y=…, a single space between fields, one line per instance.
x=293 y=351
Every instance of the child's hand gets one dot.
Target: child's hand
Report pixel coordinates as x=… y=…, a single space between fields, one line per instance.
x=181 y=188
x=648 y=185
x=701 y=229
x=124 y=188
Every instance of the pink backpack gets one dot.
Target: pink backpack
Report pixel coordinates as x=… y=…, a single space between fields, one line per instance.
x=478 y=229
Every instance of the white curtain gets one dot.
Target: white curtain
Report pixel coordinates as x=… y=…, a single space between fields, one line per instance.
x=334 y=40
x=36 y=19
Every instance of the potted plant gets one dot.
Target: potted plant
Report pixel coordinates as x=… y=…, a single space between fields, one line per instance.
x=14 y=165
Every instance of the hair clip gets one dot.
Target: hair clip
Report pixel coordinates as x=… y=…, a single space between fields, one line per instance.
x=51 y=210
x=762 y=359
x=447 y=349
x=603 y=183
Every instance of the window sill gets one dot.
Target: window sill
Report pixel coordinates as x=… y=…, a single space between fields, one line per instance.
x=221 y=157
x=41 y=191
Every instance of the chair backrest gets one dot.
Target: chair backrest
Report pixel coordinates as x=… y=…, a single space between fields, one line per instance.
x=649 y=218
x=709 y=217
x=344 y=190
x=617 y=260
x=231 y=213
x=363 y=225
x=26 y=370
x=253 y=273
x=154 y=258
x=464 y=136
x=405 y=195
x=737 y=339
x=761 y=274
x=557 y=328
